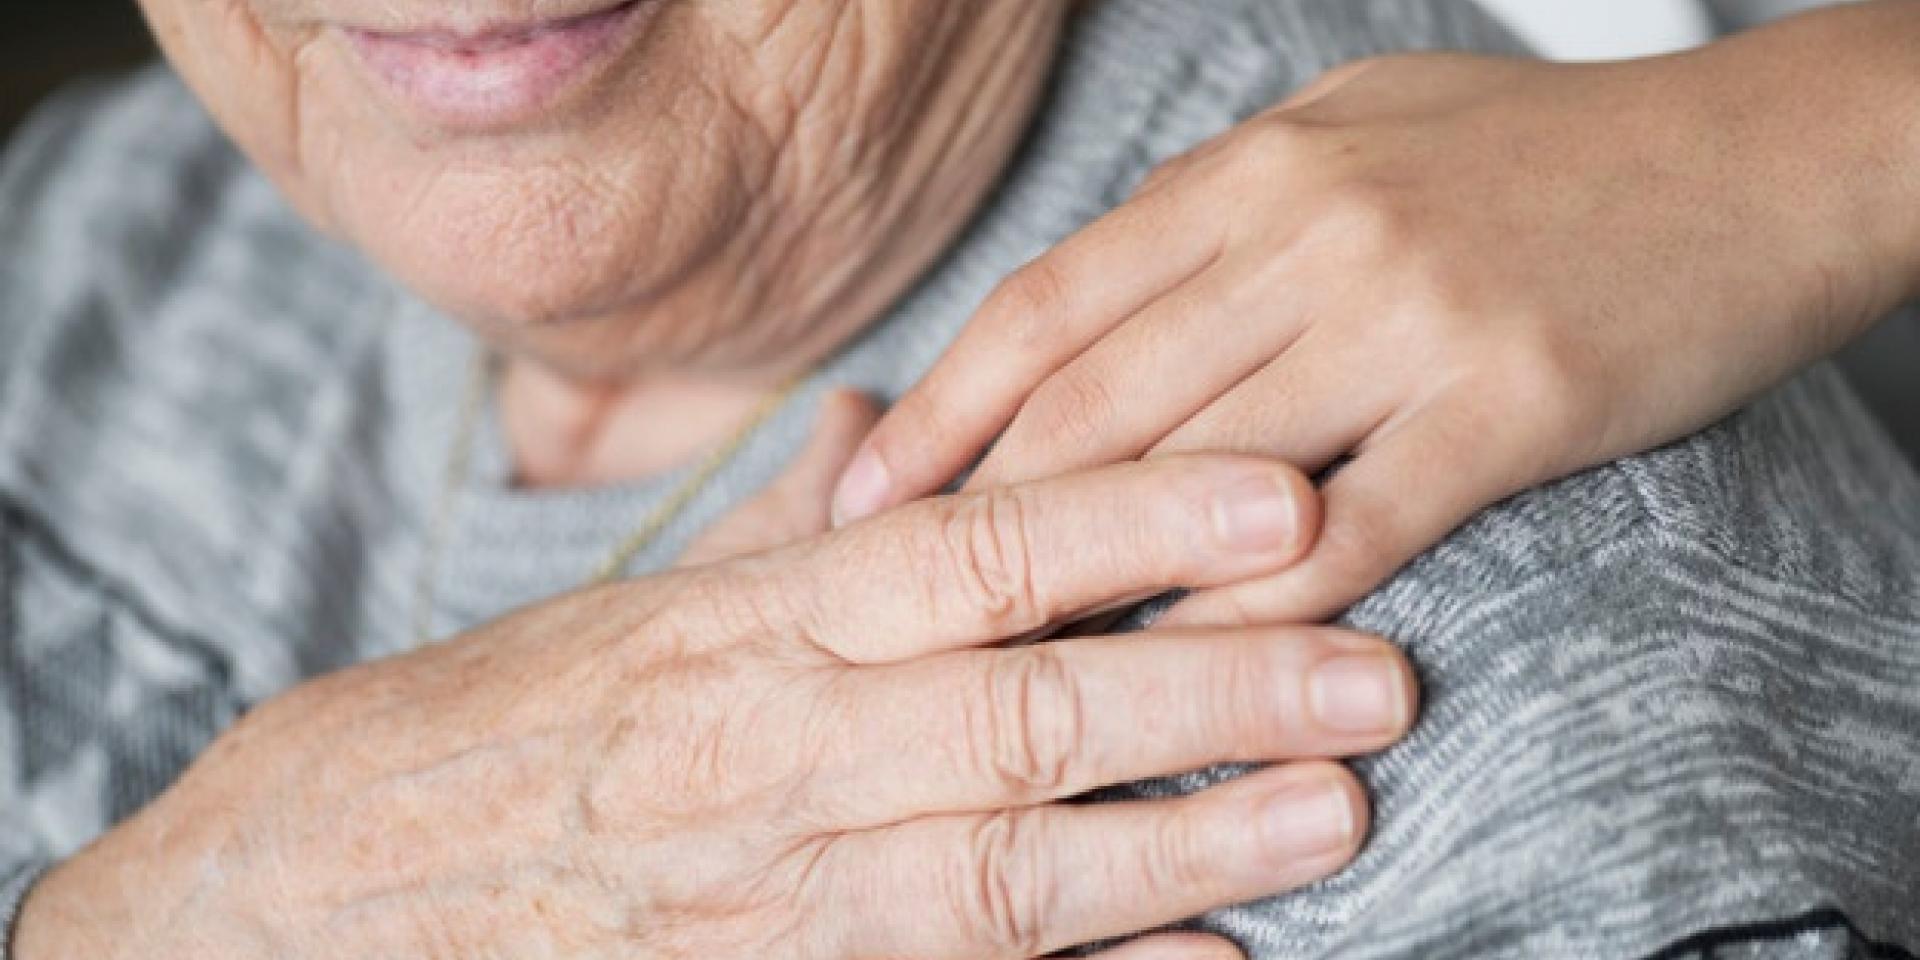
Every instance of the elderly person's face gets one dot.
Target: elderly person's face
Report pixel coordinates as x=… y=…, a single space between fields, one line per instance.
x=611 y=186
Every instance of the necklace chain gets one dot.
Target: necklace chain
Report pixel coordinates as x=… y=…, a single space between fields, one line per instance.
x=655 y=523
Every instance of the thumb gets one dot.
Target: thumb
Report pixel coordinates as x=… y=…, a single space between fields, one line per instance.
x=796 y=505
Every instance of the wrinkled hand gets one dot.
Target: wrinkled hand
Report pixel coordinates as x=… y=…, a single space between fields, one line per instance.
x=1468 y=275
x=810 y=752
x=797 y=505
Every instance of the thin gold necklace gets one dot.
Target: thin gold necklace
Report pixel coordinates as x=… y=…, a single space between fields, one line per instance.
x=655 y=523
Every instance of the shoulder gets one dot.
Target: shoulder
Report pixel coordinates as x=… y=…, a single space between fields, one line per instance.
x=1166 y=75
x=1687 y=666
x=1696 y=644
x=1800 y=495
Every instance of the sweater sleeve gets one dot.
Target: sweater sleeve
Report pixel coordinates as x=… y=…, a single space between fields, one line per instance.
x=113 y=583
x=23 y=856
x=1668 y=710
x=29 y=161
x=102 y=703
x=103 y=700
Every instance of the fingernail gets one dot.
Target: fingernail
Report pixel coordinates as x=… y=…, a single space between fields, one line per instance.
x=1362 y=694
x=1308 y=820
x=862 y=491
x=1257 y=513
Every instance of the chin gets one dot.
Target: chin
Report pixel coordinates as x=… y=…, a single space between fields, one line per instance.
x=510 y=293
x=588 y=326
x=536 y=248
x=582 y=317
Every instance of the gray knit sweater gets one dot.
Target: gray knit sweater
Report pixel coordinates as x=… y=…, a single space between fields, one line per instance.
x=1673 y=705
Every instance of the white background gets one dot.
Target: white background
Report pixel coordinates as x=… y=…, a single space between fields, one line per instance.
x=1604 y=29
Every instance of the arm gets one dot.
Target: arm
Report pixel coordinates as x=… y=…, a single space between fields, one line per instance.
x=1460 y=276
x=1835 y=91
x=99 y=705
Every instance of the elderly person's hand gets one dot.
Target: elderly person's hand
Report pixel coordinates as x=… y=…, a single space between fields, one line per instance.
x=1467 y=275
x=806 y=753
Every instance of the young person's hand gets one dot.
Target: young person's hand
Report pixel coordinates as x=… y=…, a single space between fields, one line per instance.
x=1468 y=275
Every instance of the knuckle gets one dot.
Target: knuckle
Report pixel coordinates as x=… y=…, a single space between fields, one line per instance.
x=730 y=604
x=1239 y=682
x=907 y=432
x=1031 y=302
x=1368 y=220
x=1175 y=861
x=1369 y=214
x=1073 y=409
x=1545 y=381
x=1449 y=302
x=1353 y=68
x=987 y=542
x=1438 y=310
x=1343 y=72
x=1245 y=429
x=1264 y=148
x=1541 y=374
x=1030 y=734
x=1006 y=897
x=1165 y=173
x=1279 y=135
x=1389 y=65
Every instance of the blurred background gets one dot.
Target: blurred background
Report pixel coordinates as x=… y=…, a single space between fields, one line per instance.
x=44 y=43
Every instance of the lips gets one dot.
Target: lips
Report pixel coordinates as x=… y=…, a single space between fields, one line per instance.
x=497 y=76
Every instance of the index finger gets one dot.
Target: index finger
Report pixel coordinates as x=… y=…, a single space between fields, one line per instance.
x=978 y=568
x=1037 y=321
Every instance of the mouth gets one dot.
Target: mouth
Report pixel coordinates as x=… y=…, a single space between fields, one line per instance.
x=498 y=75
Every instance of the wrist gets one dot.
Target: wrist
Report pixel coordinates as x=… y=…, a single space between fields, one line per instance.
x=1830 y=98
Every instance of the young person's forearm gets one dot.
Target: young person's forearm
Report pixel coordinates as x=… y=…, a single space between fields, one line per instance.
x=1836 y=95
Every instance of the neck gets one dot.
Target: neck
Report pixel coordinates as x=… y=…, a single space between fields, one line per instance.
x=564 y=434
x=822 y=256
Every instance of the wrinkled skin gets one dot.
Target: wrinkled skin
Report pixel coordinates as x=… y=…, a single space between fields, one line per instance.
x=805 y=753
x=800 y=753
x=696 y=209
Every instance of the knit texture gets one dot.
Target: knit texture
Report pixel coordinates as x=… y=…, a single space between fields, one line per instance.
x=1671 y=705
